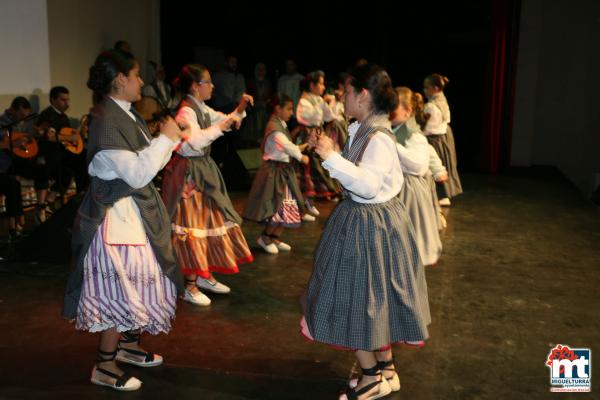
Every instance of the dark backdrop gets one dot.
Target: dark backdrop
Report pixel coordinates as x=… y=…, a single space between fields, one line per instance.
x=410 y=41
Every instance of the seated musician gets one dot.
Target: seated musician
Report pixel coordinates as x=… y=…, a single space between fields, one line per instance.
x=159 y=89
x=62 y=164
x=12 y=167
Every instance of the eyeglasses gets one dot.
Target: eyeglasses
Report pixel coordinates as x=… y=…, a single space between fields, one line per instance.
x=207 y=82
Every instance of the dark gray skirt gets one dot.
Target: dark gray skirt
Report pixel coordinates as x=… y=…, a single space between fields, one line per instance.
x=435 y=200
x=445 y=148
x=417 y=200
x=268 y=190
x=368 y=287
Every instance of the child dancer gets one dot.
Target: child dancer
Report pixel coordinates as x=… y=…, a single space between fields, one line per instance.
x=437 y=172
x=312 y=112
x=206 y=228
x=368 y=286
x=415 y=195
x=440 y=136
x=337 y=129
x=125 y=274
x=275 y=196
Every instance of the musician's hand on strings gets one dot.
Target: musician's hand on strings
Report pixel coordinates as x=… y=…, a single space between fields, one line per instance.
x=51 y=135
x=324 y=146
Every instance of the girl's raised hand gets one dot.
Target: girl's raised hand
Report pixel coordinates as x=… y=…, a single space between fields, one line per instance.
x=246 y=98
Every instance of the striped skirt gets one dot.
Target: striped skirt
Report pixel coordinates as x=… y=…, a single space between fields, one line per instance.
x=445 y=148
x=419 y=204
x=204 y=241
x=124 y=288
x=288 y=213
x=368 y=287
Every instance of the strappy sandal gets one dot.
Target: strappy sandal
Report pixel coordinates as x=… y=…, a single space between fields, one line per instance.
x=123 y=383
x=384 y=388
x=394 y=381
x=125 y=355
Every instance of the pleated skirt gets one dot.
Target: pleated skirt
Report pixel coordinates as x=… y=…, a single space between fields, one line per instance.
x=368 y=287
x=417 y=199
x=445 y=148
x=204 y=241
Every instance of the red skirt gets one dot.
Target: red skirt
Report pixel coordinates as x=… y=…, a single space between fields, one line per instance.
x=204 y=241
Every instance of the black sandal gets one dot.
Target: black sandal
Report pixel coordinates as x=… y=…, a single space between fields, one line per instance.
x=384 y=389
x=150 y=359
x=125 y=382
x=394 y=381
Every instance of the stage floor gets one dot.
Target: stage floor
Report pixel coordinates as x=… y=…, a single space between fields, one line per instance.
x=520 y=272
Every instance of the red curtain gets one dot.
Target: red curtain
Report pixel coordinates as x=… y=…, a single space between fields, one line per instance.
x=499 y=92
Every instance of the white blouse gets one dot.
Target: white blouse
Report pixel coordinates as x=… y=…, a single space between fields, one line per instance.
x=137 y=169
x=414 y=156
x=311 y=115
x=435 y=124
x=279 y=148
x=378 y=177
x=200 y=138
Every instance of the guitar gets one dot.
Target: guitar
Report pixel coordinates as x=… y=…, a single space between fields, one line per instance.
x=71 y=139
x=23 y=145
x=154 y=123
